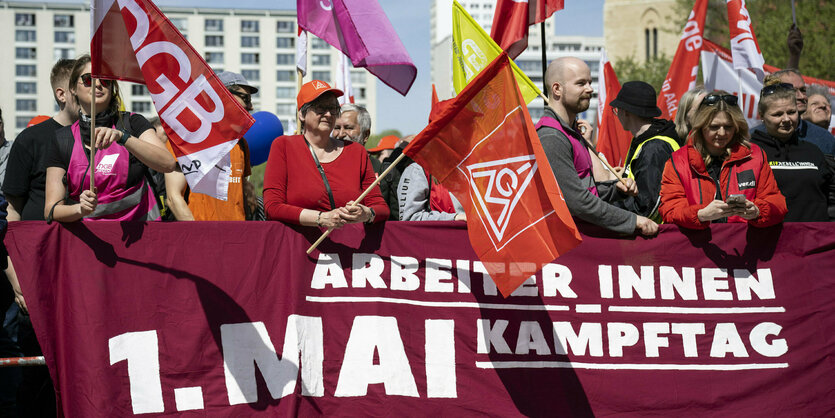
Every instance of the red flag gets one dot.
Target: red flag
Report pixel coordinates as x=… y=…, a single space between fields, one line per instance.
x=744 y=46
x=682 y=74
x=612 y=140
x=512 y=18
x=483 y=147
x=132 y=40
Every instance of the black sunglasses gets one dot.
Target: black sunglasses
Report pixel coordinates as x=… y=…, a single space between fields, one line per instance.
x=713 y=99
x=322 y=109
x=87 y=80
x=246 y=97
x=774 y=88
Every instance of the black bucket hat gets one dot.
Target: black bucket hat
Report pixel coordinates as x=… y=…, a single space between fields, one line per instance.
x=638 y=98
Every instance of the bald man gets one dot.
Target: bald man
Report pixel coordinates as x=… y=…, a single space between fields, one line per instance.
x=569 y=93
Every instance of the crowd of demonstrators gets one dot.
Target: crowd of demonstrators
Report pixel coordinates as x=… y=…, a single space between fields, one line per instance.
x=126 y=146
x=653 y=141
x=311 y=179
x=719 y=176
x=421 y=197
x=818 y=107
x=568 y=152
x=240 y=203
x=686 y=113
x=802 y=172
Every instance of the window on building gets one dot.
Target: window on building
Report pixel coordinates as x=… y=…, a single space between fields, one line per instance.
x=357 y=77
x=26 y=105
x=285 y=59
x=180 y=23
x=361 y=93
x=646 y=41
x=282 y=42
x=141 y=107
x=319 y=59
x=250 y=41
x=251 y=75
x=654 y=43
x=214 y=40
x=250 y=26
x=285 y=26
x=25 y=36
x=22 y=121
x=285 y=75
x=25 y=70
x=64 y=53
x=64 y=37
x=322 y=75
x=316 y=43
x=528 y=66
x=24 y=19
x=64 y=21
x=250 y=58
x=24 y=53
x=138 y=90
x=217 y=68
x=25 y=87
x=214 y=57
x=285 y=109
x=285 y=92
x=214 y=25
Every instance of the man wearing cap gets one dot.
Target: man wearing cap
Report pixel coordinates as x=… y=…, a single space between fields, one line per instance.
x=653 y=141
x=569 y=81
x=384 y=148
x=190 y=206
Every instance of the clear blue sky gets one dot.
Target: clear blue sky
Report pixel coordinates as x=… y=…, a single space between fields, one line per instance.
x=410 y=19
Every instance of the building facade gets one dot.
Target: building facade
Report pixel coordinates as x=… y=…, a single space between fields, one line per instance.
x=529 y=61
x=641 y=29
x=260 y=44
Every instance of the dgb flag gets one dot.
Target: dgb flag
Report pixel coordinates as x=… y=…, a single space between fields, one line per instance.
x=473 y=49
x=483 y=147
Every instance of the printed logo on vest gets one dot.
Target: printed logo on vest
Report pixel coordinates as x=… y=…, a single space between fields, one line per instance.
x=746 y=180
x=105 y=166
x=503 y=183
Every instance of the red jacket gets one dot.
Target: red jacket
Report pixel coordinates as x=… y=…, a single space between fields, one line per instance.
x=686 y=187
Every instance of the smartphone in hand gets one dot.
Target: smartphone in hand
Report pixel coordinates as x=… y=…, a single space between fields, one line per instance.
x=736 y=200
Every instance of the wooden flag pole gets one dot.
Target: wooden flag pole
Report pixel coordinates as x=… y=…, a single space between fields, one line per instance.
x=93 y=134
x=359 y=199
x=299 y=77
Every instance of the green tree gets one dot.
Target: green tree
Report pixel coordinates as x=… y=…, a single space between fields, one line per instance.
x=257 y=178
x=653 y=71
x=771 y=21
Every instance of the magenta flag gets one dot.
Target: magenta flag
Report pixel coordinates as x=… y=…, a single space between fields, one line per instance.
x=361 y=30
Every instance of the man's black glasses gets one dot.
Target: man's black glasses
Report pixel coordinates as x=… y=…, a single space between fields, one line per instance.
x=713 y=99
x=246 y=97
x=774 y=88
x=87 y=80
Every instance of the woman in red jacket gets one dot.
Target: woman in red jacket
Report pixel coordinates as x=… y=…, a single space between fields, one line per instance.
x=311 y=179
x=719 y=176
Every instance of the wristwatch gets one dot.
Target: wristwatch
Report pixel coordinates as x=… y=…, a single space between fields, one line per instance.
x=125 y=135
x=373 y=214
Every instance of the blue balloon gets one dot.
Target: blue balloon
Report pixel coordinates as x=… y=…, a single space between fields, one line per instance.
x=260 y=136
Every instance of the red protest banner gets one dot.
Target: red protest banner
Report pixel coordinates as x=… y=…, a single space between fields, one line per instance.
x=612 y=140
x=139 y=318
x=483 y=148
x=681 y=76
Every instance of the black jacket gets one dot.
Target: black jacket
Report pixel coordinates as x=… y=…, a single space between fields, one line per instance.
x=803 y=176
x=648 y=167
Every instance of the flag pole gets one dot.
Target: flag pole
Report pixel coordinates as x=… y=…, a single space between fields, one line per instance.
x=739 y=89
x=544 y=59
x=299 y=77
x=93 y=133
x=359 y=199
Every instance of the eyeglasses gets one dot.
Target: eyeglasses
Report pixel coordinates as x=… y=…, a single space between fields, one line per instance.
x=713 y=99
x=246 y=97
x=87 y=80
x=322 y=109
x=774 y=88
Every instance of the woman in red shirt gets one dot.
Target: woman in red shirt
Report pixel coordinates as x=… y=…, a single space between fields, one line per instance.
x=719 y=176
x=311 y=179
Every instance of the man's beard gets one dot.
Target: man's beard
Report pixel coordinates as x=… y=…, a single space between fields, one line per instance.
x=580 y=106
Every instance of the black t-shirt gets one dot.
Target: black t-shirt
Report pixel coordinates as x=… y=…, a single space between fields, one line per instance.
x=26 y=170
x=61 y=152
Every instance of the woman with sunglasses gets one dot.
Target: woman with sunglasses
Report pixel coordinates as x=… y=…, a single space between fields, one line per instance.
x=311 y=179
x=126 y=146
x=800 y=167
x=719 y=176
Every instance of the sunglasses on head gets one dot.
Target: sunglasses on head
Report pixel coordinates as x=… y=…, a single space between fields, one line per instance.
x=774 y=88
x=713 y=99
x=87 y=80
x=246 y=97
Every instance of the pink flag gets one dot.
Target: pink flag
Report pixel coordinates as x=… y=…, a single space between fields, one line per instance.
x=744 y=47
x=361 y=30
x=682 y=74
x=132 y=40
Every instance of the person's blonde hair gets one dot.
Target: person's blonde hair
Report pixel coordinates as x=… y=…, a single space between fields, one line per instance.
x=706 y=114
x=684 y=106
x=779 y=94
x=75 y=74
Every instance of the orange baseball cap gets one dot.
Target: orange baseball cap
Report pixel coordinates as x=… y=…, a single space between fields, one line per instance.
x=311 y=90
x=37 y=119
x=387 y=142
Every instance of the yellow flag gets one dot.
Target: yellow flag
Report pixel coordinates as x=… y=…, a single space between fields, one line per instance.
x=473 y=49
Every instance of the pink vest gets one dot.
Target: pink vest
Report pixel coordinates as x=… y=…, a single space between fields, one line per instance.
x=582 y=159
x=116 y=201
